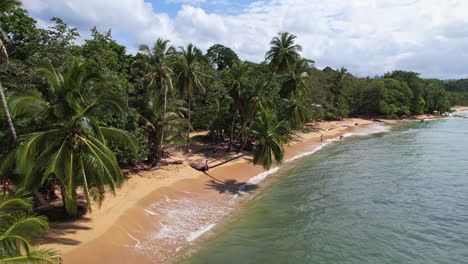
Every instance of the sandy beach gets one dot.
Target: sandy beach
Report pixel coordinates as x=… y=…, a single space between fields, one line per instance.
x=157 y=215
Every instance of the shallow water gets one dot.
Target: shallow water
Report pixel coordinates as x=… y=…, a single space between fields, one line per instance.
x=395 y=197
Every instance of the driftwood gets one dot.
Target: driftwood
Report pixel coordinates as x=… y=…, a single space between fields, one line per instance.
x=204 y=166
x=199 y=165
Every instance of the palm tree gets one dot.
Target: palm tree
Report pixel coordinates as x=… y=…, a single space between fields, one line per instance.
x=251 y=102
x=158 y=73
x=283 y=52
x=238 y=87
x=6 y=6
x=72 y=146
x=297 y=78
x=269 y=134
x=19 y=230
x=172 y=121
x=337 y=88
x=298 y=109
x=189 y=76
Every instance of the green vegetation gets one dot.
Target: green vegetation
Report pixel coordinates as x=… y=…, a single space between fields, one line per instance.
x=73 y=115
x=19 y=230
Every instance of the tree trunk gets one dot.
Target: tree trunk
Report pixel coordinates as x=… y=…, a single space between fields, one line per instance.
x=163 y=123
x=7 y=115
x=188 y=128
x=243 y=144
x=231 y=136
x=40 y=199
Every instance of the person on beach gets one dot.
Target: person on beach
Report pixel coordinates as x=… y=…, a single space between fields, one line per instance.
x=341 y=137
x=321 y=137
x=6 y=186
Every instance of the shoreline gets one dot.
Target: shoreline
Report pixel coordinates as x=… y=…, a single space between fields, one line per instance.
x=87 y=237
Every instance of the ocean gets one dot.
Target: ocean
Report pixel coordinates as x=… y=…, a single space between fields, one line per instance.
x=399 y=196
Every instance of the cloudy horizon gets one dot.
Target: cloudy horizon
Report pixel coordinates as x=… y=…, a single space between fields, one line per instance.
x=368 y=37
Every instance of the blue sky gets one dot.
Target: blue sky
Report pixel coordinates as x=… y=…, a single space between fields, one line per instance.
x=225 y=7
x=368 y=37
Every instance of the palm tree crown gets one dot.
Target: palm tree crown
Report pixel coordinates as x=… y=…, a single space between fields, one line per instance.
x=72 y=146
x=283 y=52
x=269 y=133
x=19 y=231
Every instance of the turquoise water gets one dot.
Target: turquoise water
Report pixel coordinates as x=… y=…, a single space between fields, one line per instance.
x=395 y=197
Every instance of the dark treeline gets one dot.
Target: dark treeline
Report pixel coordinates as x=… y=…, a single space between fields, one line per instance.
x=74 y=114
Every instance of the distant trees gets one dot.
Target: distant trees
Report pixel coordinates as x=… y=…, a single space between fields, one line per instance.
x=221 y=56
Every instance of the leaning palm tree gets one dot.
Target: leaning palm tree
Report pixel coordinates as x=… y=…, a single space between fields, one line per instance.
x=189 y=76
x=6 y=6
x=19 y=231
x=270 y=137
x=157 y=73
x=283 y=52
x=72 y=146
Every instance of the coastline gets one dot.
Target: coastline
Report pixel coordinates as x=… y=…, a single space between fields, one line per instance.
x=102 y=230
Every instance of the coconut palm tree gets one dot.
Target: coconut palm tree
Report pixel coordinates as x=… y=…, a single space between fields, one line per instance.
x=283 y=52
x=6 y=6
x=72 y=146
x=238 y=87
x=158 y=74
x=189 y=76
x=252 y=101
x=172 y=121
x=19 y=231
x=270 y=137
x=298 y=109
x=296 y=79
x=336 y=90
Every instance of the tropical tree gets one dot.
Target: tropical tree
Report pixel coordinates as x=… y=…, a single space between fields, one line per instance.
x=296 y=78
x=71 y=146
x=158 y=74
x=337 y=88
x=252 y=101
x=270 y=137
x=283 y=52
x=19 y=230
x=189 y=76
x=6 y=6
x=237 y=90
x=223 y=57
x=172 y=121
x=298 y=109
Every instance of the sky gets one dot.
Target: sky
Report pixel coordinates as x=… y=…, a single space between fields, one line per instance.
x=368 y=37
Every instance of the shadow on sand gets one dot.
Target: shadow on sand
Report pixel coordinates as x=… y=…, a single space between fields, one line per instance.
x=60 y=230
x=231 y=186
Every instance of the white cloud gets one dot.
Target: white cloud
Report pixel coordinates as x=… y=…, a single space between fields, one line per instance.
x=367 y=36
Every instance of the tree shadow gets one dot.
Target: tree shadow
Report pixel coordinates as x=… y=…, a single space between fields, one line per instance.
x=231 y=186
x=60 y=230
